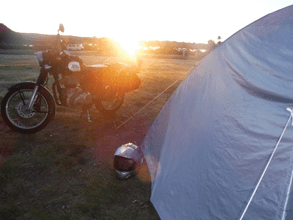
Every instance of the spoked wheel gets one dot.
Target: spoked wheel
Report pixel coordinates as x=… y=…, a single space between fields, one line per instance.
x=110 y=103
x=19 y=117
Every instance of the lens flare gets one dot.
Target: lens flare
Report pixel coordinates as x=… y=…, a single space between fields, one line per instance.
x=130 y=46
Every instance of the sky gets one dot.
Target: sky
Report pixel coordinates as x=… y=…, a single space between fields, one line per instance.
x=129 y=21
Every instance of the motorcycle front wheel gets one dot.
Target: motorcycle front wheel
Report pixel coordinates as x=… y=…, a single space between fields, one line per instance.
x=109 y=104
x=17 y=115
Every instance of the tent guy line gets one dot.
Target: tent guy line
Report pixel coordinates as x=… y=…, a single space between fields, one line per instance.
x=155 y=98
x=288 y=193
x=290 y=184
x=268 y=163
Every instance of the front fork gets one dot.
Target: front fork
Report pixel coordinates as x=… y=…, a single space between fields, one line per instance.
x=32 y=99
x=40 y=81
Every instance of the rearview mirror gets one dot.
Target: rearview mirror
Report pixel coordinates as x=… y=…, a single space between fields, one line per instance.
x=61 y=27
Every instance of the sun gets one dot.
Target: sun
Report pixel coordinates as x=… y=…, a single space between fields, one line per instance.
x=130 y=46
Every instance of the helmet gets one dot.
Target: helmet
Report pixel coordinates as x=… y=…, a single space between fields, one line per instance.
x=126 y=159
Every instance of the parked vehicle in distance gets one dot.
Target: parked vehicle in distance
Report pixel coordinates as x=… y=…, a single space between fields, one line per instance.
x=75 y=47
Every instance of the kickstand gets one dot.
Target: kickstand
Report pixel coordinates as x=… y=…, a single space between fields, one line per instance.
x=88 y=116
x=87 y=111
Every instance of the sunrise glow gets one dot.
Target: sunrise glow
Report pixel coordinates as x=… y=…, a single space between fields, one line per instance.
x=129 y=45
x=182 y=22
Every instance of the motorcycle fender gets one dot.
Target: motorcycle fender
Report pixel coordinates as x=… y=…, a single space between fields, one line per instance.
x=19 y=85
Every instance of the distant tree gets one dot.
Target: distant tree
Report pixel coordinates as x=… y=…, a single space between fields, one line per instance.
x=211 y=45
x=219 y=40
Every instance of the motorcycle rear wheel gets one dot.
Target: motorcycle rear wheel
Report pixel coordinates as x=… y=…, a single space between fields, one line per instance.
x=109 y=105
x=19 y=118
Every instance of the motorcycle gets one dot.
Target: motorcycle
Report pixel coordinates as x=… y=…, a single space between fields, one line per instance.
x=28 y=107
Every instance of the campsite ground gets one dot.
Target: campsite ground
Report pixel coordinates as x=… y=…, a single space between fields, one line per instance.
x=66 y=170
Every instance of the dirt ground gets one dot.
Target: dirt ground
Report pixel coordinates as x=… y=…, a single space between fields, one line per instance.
x=160 y=78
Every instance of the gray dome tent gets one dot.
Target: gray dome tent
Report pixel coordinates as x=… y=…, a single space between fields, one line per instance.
x=222 y=146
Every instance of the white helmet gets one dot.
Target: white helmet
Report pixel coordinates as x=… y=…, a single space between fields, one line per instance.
x=126 y=159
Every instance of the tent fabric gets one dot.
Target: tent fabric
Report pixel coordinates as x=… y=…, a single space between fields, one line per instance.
x=209 y=145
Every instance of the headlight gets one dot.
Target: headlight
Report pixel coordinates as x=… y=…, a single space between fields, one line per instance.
x=74 y=66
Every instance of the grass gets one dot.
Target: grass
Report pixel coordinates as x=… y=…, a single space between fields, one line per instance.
x=62 y=182
x=53 y=174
